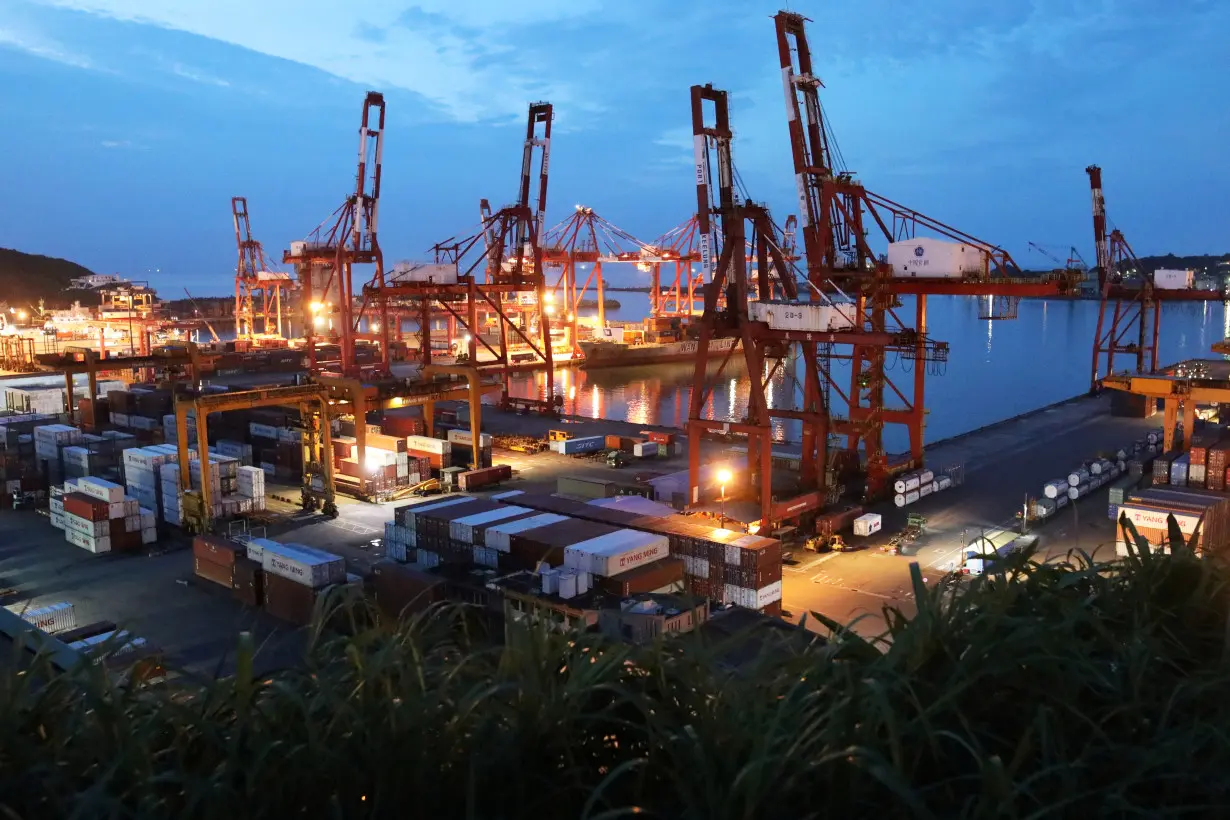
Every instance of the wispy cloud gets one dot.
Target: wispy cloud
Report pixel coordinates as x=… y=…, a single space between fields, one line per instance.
x=472 y=61
x=116 y=144
x=37 y=45
x=198 y=76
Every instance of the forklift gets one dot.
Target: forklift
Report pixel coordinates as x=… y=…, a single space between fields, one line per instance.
x=616 y=459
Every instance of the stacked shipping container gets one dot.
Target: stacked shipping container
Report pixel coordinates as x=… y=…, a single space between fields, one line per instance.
x=96 y=515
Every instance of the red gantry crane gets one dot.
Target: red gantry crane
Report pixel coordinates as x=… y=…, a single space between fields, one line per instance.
x=585 y=238
x=260 y=291
x=844 y=308
x=495 y=272
x=325 y=261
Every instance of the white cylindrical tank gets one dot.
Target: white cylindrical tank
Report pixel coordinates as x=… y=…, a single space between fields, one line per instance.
x=1056 y=488
x=899 y=485
x=911 y=496
x=926 y=476
x=1078 y=477
x=911 y=482
x=925 y=490
x=899 y=499
x=944 y=482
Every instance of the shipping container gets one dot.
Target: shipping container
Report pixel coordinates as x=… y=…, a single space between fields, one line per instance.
x=583 y=486
x=665 y=575
x=499 y=536
x=868 y=524
x=289 y=600
x=221 y=574
x=217 y=550
x=399 y=589
x=302 y=564
x=471 y=529
x=616 y=552
x=485 y=477
x=822 y=317
x=50 y=619
x=927 y=258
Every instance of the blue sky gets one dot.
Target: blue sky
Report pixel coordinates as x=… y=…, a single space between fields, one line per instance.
x=131 y=123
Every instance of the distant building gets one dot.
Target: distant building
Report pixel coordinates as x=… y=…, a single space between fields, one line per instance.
x=94 y=281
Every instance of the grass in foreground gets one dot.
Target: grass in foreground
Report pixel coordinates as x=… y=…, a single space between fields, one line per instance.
x=1072 y=691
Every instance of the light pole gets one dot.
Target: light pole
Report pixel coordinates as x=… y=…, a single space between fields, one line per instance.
x=724 y=477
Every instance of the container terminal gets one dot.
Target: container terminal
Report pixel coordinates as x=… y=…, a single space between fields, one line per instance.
x=181 y=490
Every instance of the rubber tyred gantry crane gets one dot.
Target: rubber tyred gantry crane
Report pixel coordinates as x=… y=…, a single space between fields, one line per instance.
x=260 y=292
x=325 y=260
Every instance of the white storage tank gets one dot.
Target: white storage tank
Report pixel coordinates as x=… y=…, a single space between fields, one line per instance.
x=899 y=499
x=1078 y=477
x=928 y=258
x=1056 y=488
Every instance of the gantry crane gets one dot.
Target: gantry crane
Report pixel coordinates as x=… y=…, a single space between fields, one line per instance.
x=496 y=273
x=259 y=291
x=1074 y=262
x=835 y=216
x=1135 y=315
x=585 y=238
x=325 y=261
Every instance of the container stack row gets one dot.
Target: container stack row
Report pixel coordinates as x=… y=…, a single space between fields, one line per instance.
x=286 y=579
x=97 y=516
x=910 y=487
x=720 y=564
x=1121 y=471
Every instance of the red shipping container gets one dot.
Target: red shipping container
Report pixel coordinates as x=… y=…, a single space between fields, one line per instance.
x=661 y=438
x=217 y=550
x=217 y=573
x=87 y=507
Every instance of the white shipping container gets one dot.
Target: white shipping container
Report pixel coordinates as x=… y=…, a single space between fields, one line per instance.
x=439 y=273
x=1167 y=279
x=463 y=528
x=412 y=513
x=867 y=524
x=497 y=537
x=645 y=449
x=925 y=258
x=768 y=595
x=51 y=619
x=303 y=565
x=550 y=581
x=804 y=317
x=423 y=444
x=464 y=438
x=616 y=552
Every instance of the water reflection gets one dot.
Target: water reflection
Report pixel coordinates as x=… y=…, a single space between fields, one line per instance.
x=1033 y=362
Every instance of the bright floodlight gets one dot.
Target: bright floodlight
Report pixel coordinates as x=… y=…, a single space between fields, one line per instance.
x=316 y=307
x=724 y=476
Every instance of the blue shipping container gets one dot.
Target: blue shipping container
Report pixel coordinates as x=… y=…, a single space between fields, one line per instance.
x=589 y=444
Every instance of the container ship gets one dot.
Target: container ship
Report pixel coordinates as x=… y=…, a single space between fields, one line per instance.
x=618 y=354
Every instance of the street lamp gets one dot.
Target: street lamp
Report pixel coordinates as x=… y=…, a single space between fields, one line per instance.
x=724 y=478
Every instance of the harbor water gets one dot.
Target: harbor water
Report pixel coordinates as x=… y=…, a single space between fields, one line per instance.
x=996 y=369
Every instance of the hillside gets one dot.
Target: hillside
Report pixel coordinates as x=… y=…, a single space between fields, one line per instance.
x=25 y=278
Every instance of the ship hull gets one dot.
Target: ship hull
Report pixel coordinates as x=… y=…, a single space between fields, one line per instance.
x=613 y=355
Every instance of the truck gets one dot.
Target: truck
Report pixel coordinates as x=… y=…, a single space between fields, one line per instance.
x=616 y=459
